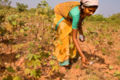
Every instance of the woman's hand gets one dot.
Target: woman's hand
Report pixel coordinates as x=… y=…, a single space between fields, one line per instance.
x=84 y=62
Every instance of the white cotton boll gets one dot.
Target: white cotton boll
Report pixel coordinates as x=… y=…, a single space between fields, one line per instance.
x=81 y=37
x=91 y=62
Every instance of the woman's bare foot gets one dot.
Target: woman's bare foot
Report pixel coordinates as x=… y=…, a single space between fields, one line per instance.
x=63 y=69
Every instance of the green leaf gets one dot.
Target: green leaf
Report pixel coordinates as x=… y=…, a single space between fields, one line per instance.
x=96 y=42
x=110 y=67
x=39 y=46
x=10 y=69
x=38 y=73
x=37 y=63
x=110 y=43
x=26 y=28
x=18 y=56
x=17 y=78
x=33 y=73
x=52 y=62
x=117 y=73
x=27 y=71
x=77 y=66
x=21 y=30
x=118 y=58
x=71 y=46
x=14 y=23
x=25 y=34
x=36 y=57
x=55 y=68
x=29 y=56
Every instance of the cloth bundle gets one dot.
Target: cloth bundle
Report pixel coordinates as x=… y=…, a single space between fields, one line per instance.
x=89 y=2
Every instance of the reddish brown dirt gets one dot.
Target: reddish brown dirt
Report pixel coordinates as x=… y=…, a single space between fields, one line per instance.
x=102 y=66
x=99 y=69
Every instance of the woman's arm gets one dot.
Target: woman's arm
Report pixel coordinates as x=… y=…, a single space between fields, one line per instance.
x=75 y=40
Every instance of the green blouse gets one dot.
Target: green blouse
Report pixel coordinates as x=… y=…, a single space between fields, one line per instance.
x=75 y=15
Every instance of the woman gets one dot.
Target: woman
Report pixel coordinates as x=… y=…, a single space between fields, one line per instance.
x=68 y=22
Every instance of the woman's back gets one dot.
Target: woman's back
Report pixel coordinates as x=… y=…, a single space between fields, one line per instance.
x=63 y=9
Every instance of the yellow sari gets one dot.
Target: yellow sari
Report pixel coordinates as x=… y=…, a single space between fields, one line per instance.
x=64 y=46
